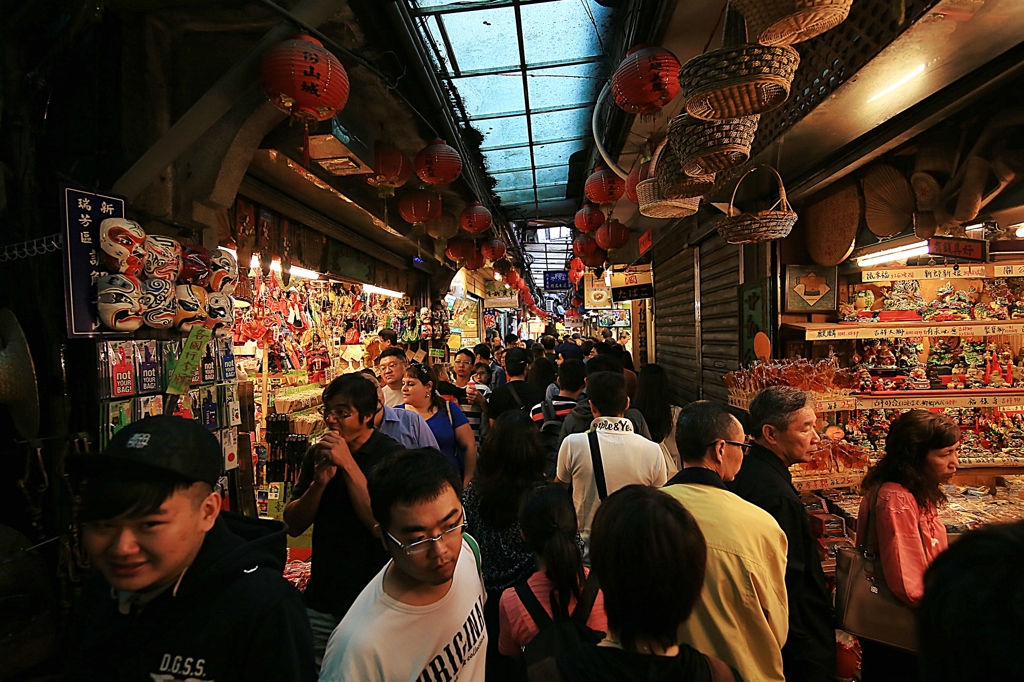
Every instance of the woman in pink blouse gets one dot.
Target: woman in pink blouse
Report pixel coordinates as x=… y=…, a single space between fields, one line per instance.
x=920 y=456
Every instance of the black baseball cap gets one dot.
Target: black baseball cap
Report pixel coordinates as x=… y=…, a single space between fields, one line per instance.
x=569 y=351
x=162 y=445
x=517 y=354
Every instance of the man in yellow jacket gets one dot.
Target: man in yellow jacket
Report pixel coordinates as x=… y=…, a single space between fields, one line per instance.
x=743 y=615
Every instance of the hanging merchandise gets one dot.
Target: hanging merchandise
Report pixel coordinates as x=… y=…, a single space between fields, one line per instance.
x=123 y=246
x=612 y=235
x=163 y=258
x=637 y=174
x=588 y=218
x=786 y=22
x=304 y=80
x=646 y=80
x=604 y=187
x=583 y=246
x=493 y=249
x=475 y=218
x=438 y=163
x=391 y=169
x=159 y=303
x=419 y=206
x=119 y=301
x=704 y=147
x=773 y=223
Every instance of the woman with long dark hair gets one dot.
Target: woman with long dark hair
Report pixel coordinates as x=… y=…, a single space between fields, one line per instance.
x=449 y=425
x=902 y=494
x=548 y=521
x=656 y=402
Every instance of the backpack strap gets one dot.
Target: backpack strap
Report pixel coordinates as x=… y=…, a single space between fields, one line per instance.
x=471 y=541
x=547 y=408
x=540 y=617
x=544 y=671
x=595 y=458
x=512 y=390
x=581 y=614
x=720 y=672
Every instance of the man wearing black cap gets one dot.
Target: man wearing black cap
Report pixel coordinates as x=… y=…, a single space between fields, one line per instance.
x=181 y=590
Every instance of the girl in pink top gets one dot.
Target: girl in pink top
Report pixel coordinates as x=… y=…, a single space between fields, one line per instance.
x=549 y=527
x=920 y=456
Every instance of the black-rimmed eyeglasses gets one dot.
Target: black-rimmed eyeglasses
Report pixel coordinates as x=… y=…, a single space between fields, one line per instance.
x=745 y=446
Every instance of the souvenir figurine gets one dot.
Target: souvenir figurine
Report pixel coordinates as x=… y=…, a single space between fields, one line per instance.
x=221 y=310
x=863 y=300
x=195 y=265
x=426 y=327
x=159 y=305
x=191 y=306
x=123 y=243
x=119 y=302
x=224 y=271
x=163 y=258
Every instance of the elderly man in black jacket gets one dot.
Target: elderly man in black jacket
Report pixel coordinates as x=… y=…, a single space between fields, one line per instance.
x=784 y=425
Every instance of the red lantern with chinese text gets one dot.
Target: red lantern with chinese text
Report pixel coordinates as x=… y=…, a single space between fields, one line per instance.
x=583 y=245
x=637 y=174
x=391 y=169
x=419 y=206
x=596 y=259
x=438 y=163
x=604 y=186
x=459 y=249
x=502 y=266
x=588 y=218
x=612 y=235
x=475 y=218
x=576 y=264
x=474 y=260
x=493 y=249
x=646 y=80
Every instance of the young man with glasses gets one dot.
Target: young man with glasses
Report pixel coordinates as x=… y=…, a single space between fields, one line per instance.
x=422 y=616
x=331 y=494
x=392 y=364
x=742 y=615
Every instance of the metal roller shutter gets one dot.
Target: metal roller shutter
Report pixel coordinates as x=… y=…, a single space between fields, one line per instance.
x=675 y=320
x=719 y=276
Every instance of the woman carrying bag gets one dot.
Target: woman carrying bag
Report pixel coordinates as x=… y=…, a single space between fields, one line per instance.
x=899 y=511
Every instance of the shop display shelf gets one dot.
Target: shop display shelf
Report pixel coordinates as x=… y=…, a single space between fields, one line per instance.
x=1007 y=399
x=839 y=331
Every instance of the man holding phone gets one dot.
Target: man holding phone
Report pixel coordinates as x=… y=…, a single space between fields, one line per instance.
x=331 y=494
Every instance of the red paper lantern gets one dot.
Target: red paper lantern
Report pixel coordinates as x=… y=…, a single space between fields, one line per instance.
x=459 y=249
x=637 y=174
x=595 y=259
x=588 y=218
x=419 y=206
x=604 y=187
x=576 y=302
x=438 y=163
x=576 y=264
x=584 y=245
x=512 y=278
x=303 y=79
x=502 y=266
x=475 y=218
x=612 y=235
x=474 y=259
x=493 y=249
x=576 y=275
x=391 y=169
x=646 y=80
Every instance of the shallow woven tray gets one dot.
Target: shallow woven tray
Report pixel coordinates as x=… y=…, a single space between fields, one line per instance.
x=653 y=205
x=785 y=22
x=706 y=147
x=738 y=81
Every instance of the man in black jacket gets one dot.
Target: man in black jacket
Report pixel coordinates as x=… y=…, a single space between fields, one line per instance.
x=182 y=591
x=785 y=433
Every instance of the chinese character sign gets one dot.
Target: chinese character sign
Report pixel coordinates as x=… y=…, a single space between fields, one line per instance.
x=82 y=211
x=557 y=280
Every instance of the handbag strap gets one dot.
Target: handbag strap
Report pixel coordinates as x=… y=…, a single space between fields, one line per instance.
x=595 y=458
x=512 y=390
x=869 y=548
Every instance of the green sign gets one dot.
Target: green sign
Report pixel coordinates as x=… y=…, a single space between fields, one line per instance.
x=437 y=353
x=191 y=355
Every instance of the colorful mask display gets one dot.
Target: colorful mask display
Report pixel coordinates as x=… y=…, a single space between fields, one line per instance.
x=159 y=303
x=221 y=309
x=163 y=258
x=224 y=271
x=191 y=306
x=119 y=302
x=123 y=243
x=195 y=265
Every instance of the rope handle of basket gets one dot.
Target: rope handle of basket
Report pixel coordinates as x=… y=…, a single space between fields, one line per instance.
x=782 y=203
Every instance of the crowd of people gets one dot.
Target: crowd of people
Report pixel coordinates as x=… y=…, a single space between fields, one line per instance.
x=539 y=510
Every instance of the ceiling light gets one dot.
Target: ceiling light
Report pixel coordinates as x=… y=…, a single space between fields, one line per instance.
x=370 y=289
x=897 y=253
x=1020 y=229
x=914 y=73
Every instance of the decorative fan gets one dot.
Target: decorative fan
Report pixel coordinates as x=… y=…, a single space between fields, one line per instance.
x=888 y=201
x=831 y=223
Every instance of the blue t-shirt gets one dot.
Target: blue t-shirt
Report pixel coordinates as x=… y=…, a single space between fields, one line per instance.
x=444 y=432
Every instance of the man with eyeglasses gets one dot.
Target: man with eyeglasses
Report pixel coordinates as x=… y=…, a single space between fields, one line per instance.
x=422 y=616
x=785 y=431
x=392 y=364
x=742 y=616
x=331 y=494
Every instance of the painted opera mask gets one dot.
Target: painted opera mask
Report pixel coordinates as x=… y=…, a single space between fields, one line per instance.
x=159 y=303
x=123 y=243
x=221 y=309
x=163 y=258
x=195 y=265
x=191 y=306
x=224 y=271
x=119 y=302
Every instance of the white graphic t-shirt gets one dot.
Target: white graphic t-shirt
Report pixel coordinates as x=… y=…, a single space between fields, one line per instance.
x=383 y=640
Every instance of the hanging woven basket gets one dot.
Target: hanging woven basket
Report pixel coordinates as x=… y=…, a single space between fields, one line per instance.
x=673 y=182
x=760 y=226
x=740 y=79
x=706 y=147
x=654 y=205
x=786 y=22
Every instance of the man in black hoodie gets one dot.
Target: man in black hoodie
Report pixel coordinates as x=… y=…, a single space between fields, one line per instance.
x=580 y=418
x=182 y=591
